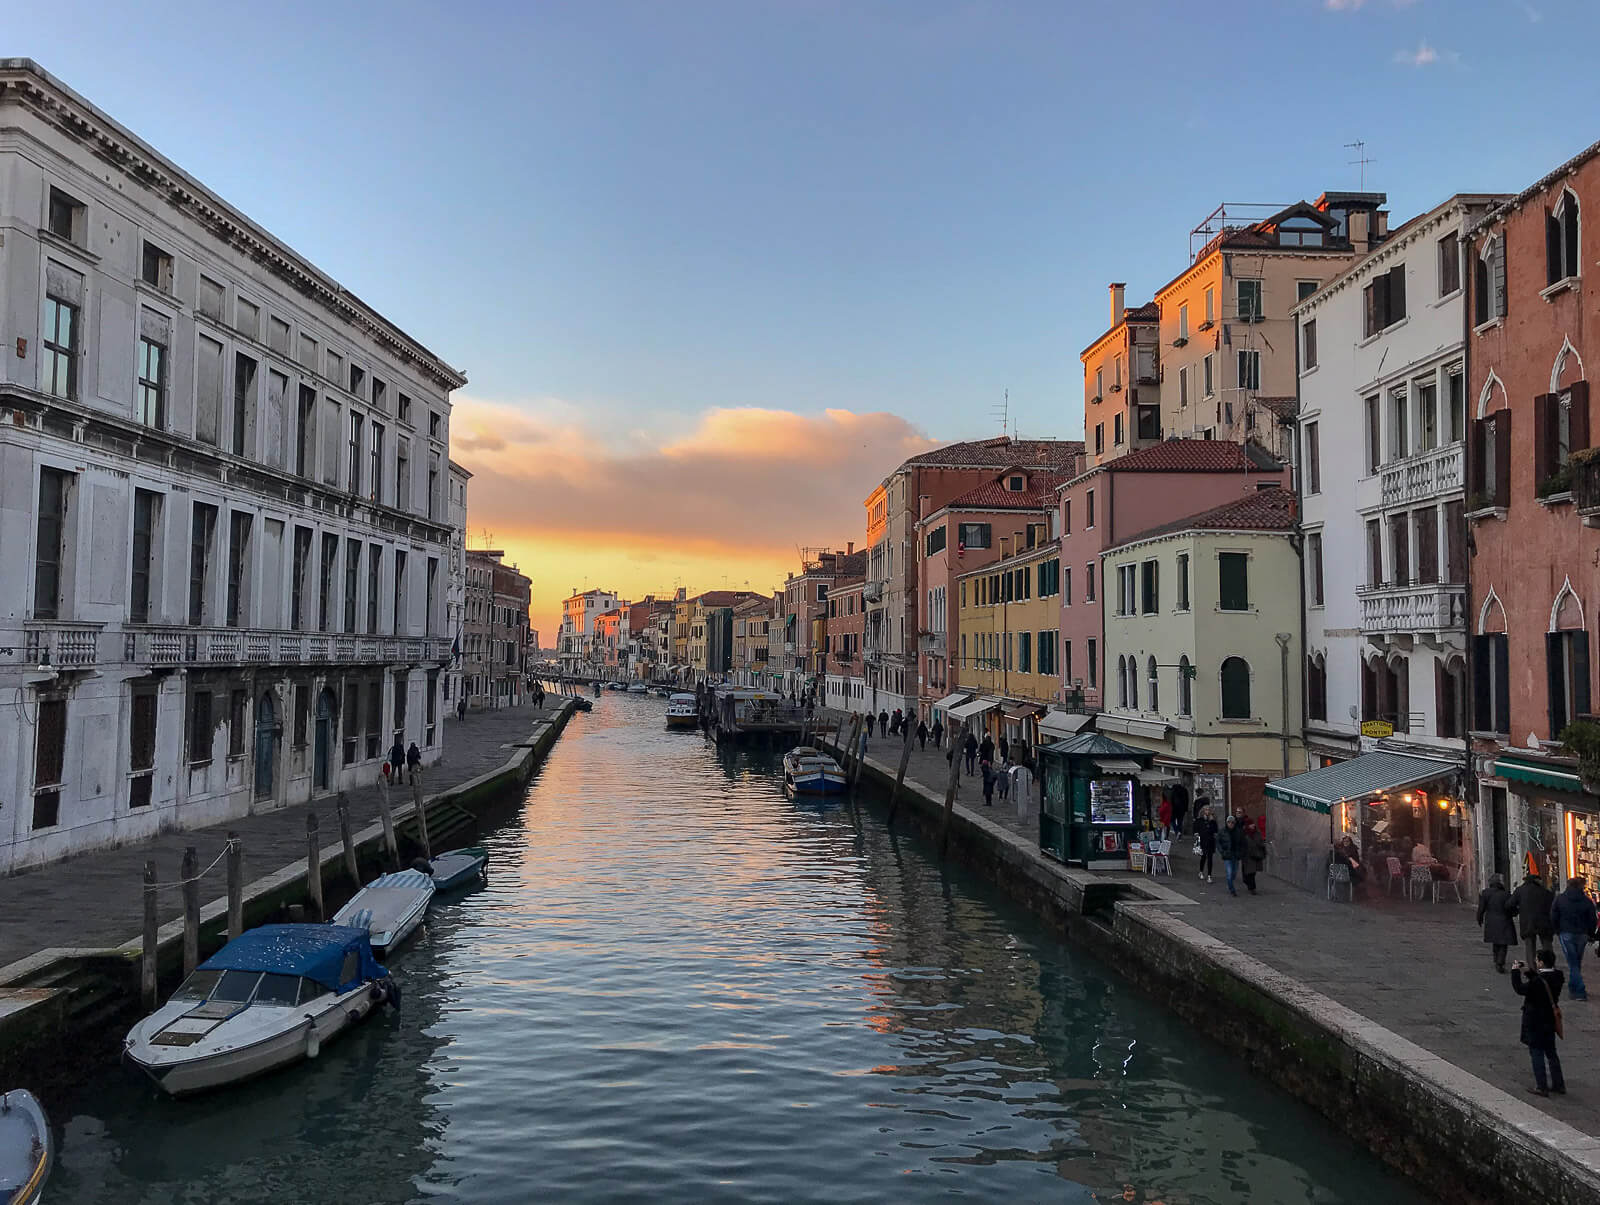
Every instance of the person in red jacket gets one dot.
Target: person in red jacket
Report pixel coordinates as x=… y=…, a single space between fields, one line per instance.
x=1164 y=815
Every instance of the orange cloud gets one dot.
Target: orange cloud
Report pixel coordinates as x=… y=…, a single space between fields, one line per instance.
x=732 y=494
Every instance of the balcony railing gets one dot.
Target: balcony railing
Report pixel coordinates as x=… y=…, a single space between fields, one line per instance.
x=932 y=643
x=873 y=591
x=1397 y=610
x=1586 y=489
x=235 y=646
x=1428 y=475
x=62 y=644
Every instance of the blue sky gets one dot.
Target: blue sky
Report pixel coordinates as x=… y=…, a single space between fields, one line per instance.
x=618 y=217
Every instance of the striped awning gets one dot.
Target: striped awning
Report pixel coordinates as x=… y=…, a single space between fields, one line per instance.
x=1369 y=774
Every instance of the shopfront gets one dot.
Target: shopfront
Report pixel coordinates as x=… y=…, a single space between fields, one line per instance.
x=1554 y=822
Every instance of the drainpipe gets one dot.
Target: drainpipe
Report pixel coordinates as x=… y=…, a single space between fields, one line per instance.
x=1283 y=674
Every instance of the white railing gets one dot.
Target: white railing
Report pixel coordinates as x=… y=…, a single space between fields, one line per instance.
x=1400 y=609
x=1424 y=476
x=62 y=643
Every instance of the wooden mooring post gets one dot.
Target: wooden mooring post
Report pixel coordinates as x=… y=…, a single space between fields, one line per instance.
x=849 y=752
x=235 y=864
x=191 y=910
x=314 y=867
x=900 y=774
x=958 y=740
x=152 y=936
x=347 y=840
x=422 y=813
x=861 y=757
x=386 y=813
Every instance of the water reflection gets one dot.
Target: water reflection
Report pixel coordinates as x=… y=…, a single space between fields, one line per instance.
x=680 y=986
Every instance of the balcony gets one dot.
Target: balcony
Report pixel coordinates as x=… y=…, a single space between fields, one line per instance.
x=62 y=644
x=932 y=643
x=1586 y=488
x=873 y=591
x=1412 y=610
x=1424 y=477
x=159 y=646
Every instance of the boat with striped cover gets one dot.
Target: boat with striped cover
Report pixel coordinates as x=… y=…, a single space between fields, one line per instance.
x=389 y=908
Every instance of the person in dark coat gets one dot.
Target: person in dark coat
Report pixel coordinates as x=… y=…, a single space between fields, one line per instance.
x=1005 y=749
x=413 y=760
x=871 y=720
x=898 y=721
x=938 y=732
x=1231 y=845
x=1539 y=993
x=922 y=735
x=883 y=722
x=988 y=783
x=1180 y=807
x=970 y=751
x=986 y=749
x=1532 y=900
x=397 y=760
x=1255 y=854
x=1573 y=915
x=1205 y=832
x=1497 y=914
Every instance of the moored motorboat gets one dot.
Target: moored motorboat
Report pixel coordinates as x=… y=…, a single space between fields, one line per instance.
x=638 y=688
x=460 y=867
x=683 y=711
x=808 y=771
x=270 y=997
x=389 y=908
x=26 y=1149
x=582 y=704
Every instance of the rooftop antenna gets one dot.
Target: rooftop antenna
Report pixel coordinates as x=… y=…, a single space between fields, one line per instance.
x=1360 y=148
x=1002 y=411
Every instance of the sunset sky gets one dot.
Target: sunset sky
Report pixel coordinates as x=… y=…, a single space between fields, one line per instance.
x=714 y=268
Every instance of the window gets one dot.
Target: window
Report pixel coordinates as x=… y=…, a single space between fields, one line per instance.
x=1185 y=686
x=399 y=592
x=1449 y=698
x=1449 y=264
x=1183 y=387
x=1024 y=651
x=1400 y=549
x=1399 y=436
x=1491 y=460
x=1456 y=386
x=380 y=395
x=301 y=579
x=156 y=268
x=1122 y=681
x=1183 y=324
x=146 y=518
x=1148 y=418
x=141 y=747
x=1233 y=580
x=1066 y=586
x=202 y=531
x=1385 y=300
x=236 y=723
x=355 y=453
x=1308 y=340
x=1491 y=683
x=1089 y=507
x=1374 y=436
x=1127 y=590
x=375 y=485
x=238 y=566
x=1211 y=306
x=1094 y=663
x=1314 y=558
x=1374 y=554
x=50 y=550
x=248 y=316
x=1427 y=415
x=199 y=734
x=1235 y=689
x=152 y=383
x=435 y=426
x=1149 y=588
x=1249 y=370
x=1116 y=429
x=67 y=217
x=402 y=474
x=1207 y=376
x=1152 y=686
x=244 y=405
x=1313 y=455
x=1317 y=687
x=1427 y=544
x=1567 y=674
x=352 y=579
x=1303 y=289
x=1088 y=582
x=1249 y=300
x=1489 y=287
x=1561 y=239
x=1561 y=426
x=358 y=380
x=1099 y=438
x=973 y=535
x=208 y=390
x=1455 y=541
x=1099 y=384
x=60 y=361
x=330 y=553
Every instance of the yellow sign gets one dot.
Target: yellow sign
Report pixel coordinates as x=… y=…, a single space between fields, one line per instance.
x=1377 y=729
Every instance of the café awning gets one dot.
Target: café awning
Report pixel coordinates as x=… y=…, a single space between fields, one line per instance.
x=1022 y=711
x=1551 y=776
x=949 y=701
x=973 y=709
x=1369 y=774
x=1117 y=765
x=1062 y=724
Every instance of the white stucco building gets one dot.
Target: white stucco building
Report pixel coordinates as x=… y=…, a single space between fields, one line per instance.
x=574 y=646
x=222 y=501
x=456 y=598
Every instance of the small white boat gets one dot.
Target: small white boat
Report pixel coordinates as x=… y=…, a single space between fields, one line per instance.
x=389 y=908
x=808 y=771
x=683 y=711
x=270 y=997
x=459 y=867
x=638 y=688
x=26 y=1149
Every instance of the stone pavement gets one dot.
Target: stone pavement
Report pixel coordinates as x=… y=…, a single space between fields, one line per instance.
x=95 y=900
x=1419 y=969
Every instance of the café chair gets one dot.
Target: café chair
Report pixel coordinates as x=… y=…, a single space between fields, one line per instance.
x=1396 y=876
x=1453 y=882
x=1161 y=857
x=1420 y=881
x=1339 y=873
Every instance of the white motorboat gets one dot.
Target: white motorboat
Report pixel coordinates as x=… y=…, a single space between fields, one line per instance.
x=26 y=1149
x=270 y=997
x=638 y=688
x=808 y=771
x=683 y=711
x=389 y=908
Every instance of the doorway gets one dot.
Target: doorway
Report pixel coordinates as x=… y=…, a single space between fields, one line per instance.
x=322 y=760
x=266 y=744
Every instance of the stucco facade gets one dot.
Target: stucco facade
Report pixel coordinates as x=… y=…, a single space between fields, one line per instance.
x=1010 y=638
x=1122 y=382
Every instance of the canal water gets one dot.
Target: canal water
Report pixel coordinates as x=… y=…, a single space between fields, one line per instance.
x=680 y=986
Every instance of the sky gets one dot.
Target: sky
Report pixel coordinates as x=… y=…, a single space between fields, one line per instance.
x=714 y=269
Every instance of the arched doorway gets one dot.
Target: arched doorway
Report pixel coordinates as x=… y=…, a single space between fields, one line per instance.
x=266 y=744
x=327 y=713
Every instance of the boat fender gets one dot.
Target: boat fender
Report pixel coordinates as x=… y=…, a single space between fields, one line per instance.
x=313 y=1043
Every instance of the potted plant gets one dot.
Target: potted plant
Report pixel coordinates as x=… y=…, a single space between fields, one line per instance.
x=1559 y=482
x=1582 y=740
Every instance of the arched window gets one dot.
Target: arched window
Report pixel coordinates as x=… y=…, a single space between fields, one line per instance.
x=1154 y=691
x=1122 y=681
x=1317 y=687
x=1489 y=301
x=1133 y=683
x=1185 y=688
x=1561 y=238
x=1235 y=689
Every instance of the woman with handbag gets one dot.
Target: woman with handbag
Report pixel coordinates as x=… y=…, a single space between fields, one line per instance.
x=1541 y=1020
x=1205 y=842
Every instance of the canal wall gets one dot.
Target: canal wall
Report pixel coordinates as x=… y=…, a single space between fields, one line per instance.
x=83 y=999
x=1458 y=1137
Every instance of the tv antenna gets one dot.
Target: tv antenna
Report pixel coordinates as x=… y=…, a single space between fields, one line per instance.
x=1360 y=148
x=1002 y=411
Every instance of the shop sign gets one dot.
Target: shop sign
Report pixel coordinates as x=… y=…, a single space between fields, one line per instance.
x=1377 y=729
x=1111 y=801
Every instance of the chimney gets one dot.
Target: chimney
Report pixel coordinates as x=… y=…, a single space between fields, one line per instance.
x=849 y=547
x=1117 y=290
x=1360 y=230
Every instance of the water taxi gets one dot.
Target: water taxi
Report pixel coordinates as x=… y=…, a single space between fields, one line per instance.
x=808 y=771
x=683 y=711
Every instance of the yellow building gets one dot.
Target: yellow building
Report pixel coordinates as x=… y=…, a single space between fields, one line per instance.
x=1122 y=382
x=1009 y=655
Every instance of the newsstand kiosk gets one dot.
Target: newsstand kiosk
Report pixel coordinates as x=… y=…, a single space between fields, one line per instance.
x=1090 y=783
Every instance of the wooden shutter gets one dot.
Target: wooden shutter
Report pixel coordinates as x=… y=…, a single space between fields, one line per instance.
x=1555 y=683
x=1580 y=415
x=1441 y=690
x=1544 y=438
x=1482 y=684
x=1502 y=458
x=1580 y=673
x=1497 y=265
x=1502 y=683
x=1370 y=297
x=1397 y=293
x=1552 y=249
x=1475 y=468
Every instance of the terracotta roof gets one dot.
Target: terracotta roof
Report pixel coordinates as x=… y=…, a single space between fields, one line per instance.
x=1148 y=312
x=1263 y=510
x=1195 y=456
x=1283 y=407
x=1002 y=452
x=993 y=495
x=850 y=564
x=720 y=598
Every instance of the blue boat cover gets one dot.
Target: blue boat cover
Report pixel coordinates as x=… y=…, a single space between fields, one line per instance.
x=318 y=952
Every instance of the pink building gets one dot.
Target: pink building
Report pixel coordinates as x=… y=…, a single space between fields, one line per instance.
x=1006 y=514
x=1130 y=494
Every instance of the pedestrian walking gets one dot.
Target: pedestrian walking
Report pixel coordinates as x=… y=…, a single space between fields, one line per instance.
x=922 y=735
x=1205 y=834
x=1532 y=900
x=986 y=749
x=1541 y=1020
x=1003 y=778
x=1164 y=816
x=883 y=722
x=413 y=761
x=1497 y=913
x=898 y=721
x=938 y=732
x=1574 y=917
x=1180 y=807
x=988 y=783
x=461 y=708
x=1005 y=749
x=397 y=760
x=1230 y=844
x=970 y=749
x=1255 y=854
x=871 y=720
